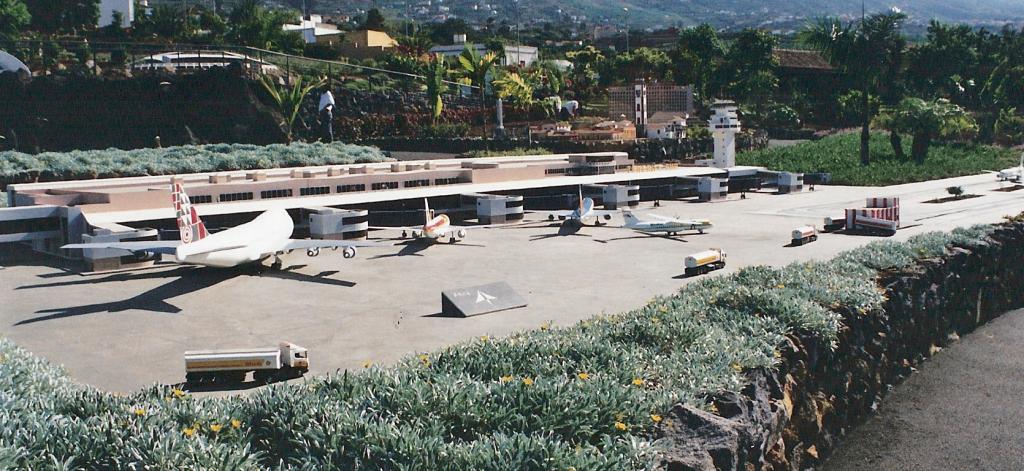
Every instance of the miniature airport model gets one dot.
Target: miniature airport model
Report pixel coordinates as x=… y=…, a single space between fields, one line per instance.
x=804 y=234
x=584 y=211
x=725 y=124
x=879 y=215
x=1013 y=174
x=703 y=262
x=269 y=235
x=651 y=223
x=285 y=361
x=435 y=227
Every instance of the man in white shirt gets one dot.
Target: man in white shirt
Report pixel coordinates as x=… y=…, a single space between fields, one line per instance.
x=326 y=113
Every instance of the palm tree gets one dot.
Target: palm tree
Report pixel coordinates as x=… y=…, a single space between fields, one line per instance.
x=477 y=68
x=867 y=51
x=289 y=99
x=435 y=84
x=926 y=121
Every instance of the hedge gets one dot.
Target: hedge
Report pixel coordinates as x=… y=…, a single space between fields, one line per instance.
x=588 y=396
x=840 y=156
x=17 y=167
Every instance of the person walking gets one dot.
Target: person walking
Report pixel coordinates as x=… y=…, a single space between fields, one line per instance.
x=326 y=113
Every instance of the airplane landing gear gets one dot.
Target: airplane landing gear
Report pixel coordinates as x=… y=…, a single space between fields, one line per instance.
x=453 y=240
x=405 y=234
x=276 y=266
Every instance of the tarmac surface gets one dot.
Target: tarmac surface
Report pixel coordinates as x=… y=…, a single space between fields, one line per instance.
x=962 y=410
x=127 y=330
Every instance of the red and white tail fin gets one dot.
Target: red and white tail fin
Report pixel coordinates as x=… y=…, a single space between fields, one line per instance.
x=190 y=226
x=427 y=214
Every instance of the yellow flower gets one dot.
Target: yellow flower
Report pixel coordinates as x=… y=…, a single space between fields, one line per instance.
x=216 y=427
x=638 y=382
x=545 y=326
x=528 y=381
x=713 y=408
x=780 y=286
x=177 y=392
x=736 y=366
x=235 y=423
x=583 y=376
x=620 y=426
x=663 y=309
x=189 y=431
x=425 y=360
x=656 y=418
x=139 y=411
x=484 y=338
x=505 y=379
x=367 y=364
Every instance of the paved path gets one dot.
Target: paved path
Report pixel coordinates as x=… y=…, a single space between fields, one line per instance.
x=963 y=410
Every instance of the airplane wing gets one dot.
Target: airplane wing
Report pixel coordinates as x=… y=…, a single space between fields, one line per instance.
x=300 y=244
x=150 y=246
x=603 y=212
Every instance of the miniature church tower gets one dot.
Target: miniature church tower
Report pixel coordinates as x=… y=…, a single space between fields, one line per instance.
x=640 y=117
x=724 y=125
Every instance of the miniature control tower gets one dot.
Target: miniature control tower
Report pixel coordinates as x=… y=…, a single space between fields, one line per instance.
x=724 y=125
x=640 y=118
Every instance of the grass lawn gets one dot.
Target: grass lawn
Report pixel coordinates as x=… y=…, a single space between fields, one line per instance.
x=839 y=155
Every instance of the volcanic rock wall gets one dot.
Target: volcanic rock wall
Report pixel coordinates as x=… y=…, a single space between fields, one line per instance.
x=793 y=417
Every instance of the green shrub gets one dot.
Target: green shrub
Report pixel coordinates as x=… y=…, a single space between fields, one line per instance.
x=839 y=155
x=588 y=396
x=82 y=164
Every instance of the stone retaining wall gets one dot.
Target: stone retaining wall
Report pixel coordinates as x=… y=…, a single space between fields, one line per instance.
x=793 y=417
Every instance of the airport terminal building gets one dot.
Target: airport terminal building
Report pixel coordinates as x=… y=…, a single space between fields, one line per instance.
x=340 y=201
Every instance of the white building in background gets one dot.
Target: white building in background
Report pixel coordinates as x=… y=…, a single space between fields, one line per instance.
x=315 y=31
x=666 y=125
x=108 y=7
x=523 y=56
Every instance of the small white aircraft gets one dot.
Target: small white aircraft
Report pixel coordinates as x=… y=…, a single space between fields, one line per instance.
x=1013 y=174
x=269 y=235
x=670 y=226
x=584 y=211
x=434 y=227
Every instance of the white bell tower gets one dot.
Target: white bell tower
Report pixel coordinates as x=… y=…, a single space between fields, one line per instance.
x=724 y=125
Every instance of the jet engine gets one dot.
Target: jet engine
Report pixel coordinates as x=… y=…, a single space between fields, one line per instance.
x=415 y=234
x=313 y=252
x=350 y=252
x=607 y=217
x=461 y=233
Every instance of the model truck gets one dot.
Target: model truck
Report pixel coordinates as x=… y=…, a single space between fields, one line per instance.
x=285 y=361
x=804 y=234
x=703 y=262
x=834 y=224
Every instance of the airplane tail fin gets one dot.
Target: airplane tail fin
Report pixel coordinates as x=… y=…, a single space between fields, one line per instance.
x=581 y=199
x=630 y=218
x=190 y=227
x=427 y=215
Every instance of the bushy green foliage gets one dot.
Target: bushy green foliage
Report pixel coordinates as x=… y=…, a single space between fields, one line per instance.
x=839 y=156
x=510 y=152
x=82 y=164
x=589 y=396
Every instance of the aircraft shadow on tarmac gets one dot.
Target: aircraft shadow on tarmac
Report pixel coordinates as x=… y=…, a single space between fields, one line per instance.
x=188 y=279
x=565 y=229
x=413 y=247
x=644 y=236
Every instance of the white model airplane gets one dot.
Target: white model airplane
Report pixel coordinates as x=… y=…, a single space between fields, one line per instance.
x=670 y=226
x=584 y=211
x=269 y=235
x=1013 y=174
x=434 y=227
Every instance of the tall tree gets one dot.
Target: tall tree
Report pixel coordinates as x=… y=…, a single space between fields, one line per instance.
x=374 y=20
x=643 y=63
x=54 y=16
x=477 y=68
x=696 y=55
x=864 y=50
x=747 y=72
x=927 y=121
x=14 y=17
x=256 y=26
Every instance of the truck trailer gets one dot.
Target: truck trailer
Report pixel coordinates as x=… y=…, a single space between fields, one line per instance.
x=703 y=262
x=285 y=361
x=804 y=234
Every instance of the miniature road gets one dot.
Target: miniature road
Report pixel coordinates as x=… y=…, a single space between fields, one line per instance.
x=962 y=410
x=126 y=330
